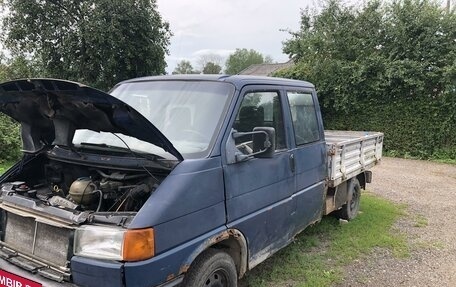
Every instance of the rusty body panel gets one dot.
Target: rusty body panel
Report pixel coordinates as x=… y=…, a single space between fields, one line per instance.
x=221 y=240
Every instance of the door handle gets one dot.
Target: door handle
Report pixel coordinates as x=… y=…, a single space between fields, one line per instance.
x=292 y=163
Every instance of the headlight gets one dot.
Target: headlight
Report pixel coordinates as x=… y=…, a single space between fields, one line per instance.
x=114 y=243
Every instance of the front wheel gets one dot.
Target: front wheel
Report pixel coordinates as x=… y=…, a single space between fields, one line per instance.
x=350 y=210
x=214 y=268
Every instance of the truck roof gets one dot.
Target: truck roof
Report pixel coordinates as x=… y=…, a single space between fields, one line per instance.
x=237 y=80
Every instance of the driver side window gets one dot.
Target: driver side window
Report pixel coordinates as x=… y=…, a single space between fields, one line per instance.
x=260 y=109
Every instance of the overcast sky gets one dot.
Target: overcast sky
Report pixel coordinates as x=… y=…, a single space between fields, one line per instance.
x=221 y=26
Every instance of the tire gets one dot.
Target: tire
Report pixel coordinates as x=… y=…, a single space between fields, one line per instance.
x=350 y=210
x=214 y=268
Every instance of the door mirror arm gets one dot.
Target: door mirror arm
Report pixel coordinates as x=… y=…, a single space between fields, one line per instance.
x=263 y=144
x=257 y=136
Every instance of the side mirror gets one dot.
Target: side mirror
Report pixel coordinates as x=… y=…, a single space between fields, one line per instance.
x=260 y=145
x=264 y=142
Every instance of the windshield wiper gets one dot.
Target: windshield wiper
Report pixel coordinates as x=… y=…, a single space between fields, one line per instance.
x=105 y=146
x=127 y=150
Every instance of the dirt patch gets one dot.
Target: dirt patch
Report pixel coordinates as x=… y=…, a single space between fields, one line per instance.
x=429 y=191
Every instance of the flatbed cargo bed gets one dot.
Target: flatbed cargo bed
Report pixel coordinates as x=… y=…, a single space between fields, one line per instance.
x=351 y=152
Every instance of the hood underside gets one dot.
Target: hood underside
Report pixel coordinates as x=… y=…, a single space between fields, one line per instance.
x=50 y=111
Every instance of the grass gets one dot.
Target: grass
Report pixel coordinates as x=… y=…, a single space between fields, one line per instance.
x=4 y=166
x=446 y=160
x=439 y=156
x=420 y=221
x=318 y=255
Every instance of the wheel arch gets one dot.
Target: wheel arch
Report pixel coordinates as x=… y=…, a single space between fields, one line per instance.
x=232 y=241
x=362 y=179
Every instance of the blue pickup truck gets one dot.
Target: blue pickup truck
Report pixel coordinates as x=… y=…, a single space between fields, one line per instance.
x=170 y=180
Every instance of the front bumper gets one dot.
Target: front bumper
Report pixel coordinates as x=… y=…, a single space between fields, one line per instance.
x=99 y=279
x=5 y=265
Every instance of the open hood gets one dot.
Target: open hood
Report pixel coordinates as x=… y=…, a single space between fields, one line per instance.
x=50 y=111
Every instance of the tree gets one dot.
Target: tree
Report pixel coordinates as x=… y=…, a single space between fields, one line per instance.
x=204 y=59
x=184 y=67
x=243 y=58
x=212 y=68
x=97 y=42
x=16 y=67
x=19 y=67
x=268 y=60
x=387 y=66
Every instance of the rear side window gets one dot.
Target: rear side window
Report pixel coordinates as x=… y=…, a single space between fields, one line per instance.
x=304 y=117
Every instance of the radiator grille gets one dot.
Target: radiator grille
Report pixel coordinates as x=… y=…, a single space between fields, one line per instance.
x=42 y=241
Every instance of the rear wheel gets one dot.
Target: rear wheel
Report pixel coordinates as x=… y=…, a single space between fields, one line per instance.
x=214 y=268
x=350 y=210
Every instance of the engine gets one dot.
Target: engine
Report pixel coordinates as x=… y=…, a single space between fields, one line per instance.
x=87 y=189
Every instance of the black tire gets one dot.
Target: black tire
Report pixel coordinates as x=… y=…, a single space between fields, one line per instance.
x=350 y=210
x=214 y=268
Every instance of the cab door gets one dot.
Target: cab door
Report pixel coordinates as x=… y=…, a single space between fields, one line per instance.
x=259 y=190
x=309 y=152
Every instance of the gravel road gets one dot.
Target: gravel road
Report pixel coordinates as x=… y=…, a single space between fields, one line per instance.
x=429 y=191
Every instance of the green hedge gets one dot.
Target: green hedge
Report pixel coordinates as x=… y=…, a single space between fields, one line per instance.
x=423 y=128
x=385 y=66
x=10 y=143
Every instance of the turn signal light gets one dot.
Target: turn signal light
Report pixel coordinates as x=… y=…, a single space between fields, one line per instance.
x=138 y=244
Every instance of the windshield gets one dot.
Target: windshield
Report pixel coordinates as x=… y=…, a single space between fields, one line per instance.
x=188 y=113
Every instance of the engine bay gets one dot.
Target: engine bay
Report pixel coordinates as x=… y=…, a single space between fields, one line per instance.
x=77 y=187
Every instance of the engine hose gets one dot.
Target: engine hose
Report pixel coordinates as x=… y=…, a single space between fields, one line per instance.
x=119 y=177
x=100 y=200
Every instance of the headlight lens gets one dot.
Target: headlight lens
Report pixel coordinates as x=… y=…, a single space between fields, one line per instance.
x=114 y=243
x=99 y=242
